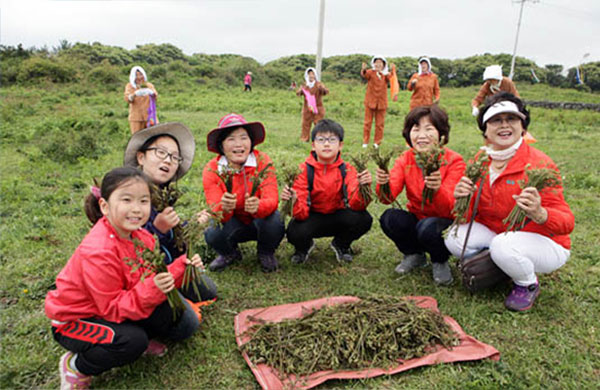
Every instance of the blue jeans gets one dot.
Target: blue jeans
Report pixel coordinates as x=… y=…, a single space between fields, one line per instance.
x=268 y=232
x=412 y=235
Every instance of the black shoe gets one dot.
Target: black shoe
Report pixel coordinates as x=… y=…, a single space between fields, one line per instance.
x=300 y=257
x=341 y=254
x=223 y=261
x=268 y=263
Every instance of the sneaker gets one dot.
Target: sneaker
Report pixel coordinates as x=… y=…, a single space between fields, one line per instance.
x=365 y=145
x=69 y=379
x=410 y=262
x=155 y=348
x=521 y=298
x=300 y=257
x=268 y=262
x=341 y=254
x=223 y=261
x=376 y=146
x=442 y=274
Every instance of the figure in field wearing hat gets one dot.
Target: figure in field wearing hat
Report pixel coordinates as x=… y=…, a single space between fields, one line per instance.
x=424 y=84
x=312 y=92
x=141 y=96
x=244 y=216
x=248 y=82
x=495 y=83
x=376 y=101
x=165 y=153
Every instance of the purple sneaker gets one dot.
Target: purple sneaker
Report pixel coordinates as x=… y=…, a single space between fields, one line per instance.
x=223 y=261
x=268 y=262
x=521 y=298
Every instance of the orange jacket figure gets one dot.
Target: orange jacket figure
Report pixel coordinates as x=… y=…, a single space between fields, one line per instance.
x=314 y=87
x=494 y=83
x=138 y=92
x=376 y=102
x=424 y=84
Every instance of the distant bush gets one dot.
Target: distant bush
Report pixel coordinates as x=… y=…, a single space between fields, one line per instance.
x=105 y=74
x=36 y=67
x=66 y=140
x=107 y=64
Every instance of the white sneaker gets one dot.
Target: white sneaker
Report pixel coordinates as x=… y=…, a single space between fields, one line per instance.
x=365 y=145
x=376 y=146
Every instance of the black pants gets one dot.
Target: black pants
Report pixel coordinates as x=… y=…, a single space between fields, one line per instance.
x=412 y=235
x=247 y=87
x=344 y=225
x=101 y=345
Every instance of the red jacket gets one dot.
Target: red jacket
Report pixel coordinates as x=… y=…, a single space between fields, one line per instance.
x=326 y=196
x=405 y=172
x=496 y=200
x=96 y=282
x=267 y=193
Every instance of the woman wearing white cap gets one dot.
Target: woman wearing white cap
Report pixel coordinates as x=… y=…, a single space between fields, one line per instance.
x=141 y=95
x=494 y=82
x=542 y=245
x=424 y=84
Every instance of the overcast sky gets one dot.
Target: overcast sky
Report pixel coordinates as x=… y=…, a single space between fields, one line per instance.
x=552 y=31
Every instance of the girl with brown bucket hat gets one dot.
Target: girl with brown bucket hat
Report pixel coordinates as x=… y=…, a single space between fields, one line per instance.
x=229 y=178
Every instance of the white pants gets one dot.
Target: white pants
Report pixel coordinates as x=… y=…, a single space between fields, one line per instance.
x=519 y=254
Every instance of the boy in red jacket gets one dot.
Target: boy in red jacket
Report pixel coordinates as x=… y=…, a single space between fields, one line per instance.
x=326 y=198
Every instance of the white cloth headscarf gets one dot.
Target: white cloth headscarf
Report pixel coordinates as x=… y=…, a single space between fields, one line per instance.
x=132 y=73
x=385 y=69
x=419 y=65
x=309 y=83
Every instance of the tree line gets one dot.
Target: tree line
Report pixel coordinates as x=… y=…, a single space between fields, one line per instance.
x=108 y=66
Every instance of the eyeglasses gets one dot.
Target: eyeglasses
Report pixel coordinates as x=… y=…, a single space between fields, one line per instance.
x=331 y=140
x=497 y=120
x=163 y=154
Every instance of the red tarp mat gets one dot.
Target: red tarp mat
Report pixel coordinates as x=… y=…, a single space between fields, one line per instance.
x=468 y=349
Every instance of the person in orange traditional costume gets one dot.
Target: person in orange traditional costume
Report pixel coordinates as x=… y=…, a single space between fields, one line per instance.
x=376 y=102
x=138 y=93
x=312 y=112
x=496 y=83
x=425 y=85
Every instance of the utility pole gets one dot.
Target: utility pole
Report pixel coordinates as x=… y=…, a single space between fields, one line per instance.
x=512 y=64
x=320 y=39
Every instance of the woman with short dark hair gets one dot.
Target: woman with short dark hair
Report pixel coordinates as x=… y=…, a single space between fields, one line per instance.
x=244 y=216
x=418 y=230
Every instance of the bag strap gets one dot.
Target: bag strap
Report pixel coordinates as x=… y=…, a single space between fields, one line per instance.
x=344 y=188
x=310 y=177
x=475 y=206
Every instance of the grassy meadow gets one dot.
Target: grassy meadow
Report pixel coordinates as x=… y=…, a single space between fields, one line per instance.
x=56 y=138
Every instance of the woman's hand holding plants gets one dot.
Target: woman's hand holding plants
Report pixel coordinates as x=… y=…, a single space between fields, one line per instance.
x=530 y=201
x=434 y=181
x=228 y=202
x=166 y=220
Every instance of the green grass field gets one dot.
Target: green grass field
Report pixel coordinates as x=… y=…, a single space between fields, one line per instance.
x=55 y=139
